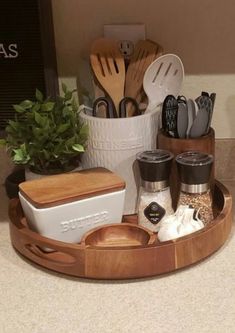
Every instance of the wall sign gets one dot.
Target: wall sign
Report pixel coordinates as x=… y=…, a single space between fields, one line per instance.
x=27 y=53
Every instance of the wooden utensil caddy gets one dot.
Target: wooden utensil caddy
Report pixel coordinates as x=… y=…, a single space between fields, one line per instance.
x=123 y=262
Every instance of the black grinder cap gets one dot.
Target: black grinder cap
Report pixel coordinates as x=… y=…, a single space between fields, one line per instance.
x=194 y=167
x=155 y=165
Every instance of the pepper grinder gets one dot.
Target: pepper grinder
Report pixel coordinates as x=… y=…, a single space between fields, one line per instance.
x=154 y=199
x=194 y=169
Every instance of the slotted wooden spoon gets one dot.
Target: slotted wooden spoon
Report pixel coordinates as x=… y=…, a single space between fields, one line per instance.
x=145 y=53
x=108 y=66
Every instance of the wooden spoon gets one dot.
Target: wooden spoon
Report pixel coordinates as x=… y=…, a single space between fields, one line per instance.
x=145 y=53
x=109 y=68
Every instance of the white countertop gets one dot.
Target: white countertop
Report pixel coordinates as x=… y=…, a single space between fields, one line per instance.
x=35 y=300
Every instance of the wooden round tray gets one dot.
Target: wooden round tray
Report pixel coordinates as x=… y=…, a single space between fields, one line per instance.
x=123 y=262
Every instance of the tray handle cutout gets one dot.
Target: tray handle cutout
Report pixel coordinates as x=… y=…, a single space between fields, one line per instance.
x=50 y=255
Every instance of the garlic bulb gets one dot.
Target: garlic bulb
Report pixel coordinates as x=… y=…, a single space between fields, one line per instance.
x=179 y=224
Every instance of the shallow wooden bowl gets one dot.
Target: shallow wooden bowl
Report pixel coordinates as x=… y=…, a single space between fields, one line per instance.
x=123 y=262
x=115 y=235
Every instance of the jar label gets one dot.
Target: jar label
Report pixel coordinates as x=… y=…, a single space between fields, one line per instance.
x=154 y=212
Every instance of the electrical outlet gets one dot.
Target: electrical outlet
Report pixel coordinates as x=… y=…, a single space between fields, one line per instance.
x=126 y=34
x=126 y=47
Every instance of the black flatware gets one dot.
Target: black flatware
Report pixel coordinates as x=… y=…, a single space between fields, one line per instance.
x=169 y=115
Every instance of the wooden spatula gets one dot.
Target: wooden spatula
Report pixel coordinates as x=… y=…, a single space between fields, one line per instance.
x=145 y=53
x=108 y=66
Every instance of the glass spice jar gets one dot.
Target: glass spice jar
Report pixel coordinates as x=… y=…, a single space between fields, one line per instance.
x=194 y=169
x=154 y=199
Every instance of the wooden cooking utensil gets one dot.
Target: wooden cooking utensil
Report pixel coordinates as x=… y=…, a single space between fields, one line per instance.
x=145 y=53
x=109 y=68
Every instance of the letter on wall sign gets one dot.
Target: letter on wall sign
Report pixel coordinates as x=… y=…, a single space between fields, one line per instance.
x=3 y=53
x=13 y=51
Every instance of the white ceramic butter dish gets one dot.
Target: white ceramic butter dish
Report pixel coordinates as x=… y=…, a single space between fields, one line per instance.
x=64 y=207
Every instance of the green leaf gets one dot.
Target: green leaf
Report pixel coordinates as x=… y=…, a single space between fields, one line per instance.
x=13 y=124
x=18 y=108
x=2 y=142
x=39 y=95
x=37 y=132
x=64 y=88
x=66 y=111
x=60 y=101
x=68 y=95
x=26 y=104
x=10 y=130
x=62 y=128
x=47 y=106
x=46 y=154
x=84 y=130
x=74 y=105
x=70 y=142
x=78 y=147
x=20 y=155
x=55 y=155
x=39 y=119
x=36 y=107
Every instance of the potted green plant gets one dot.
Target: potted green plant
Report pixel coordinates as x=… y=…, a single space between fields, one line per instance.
x=46 y=135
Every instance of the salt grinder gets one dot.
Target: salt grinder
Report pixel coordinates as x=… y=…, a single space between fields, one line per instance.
x=154 y=200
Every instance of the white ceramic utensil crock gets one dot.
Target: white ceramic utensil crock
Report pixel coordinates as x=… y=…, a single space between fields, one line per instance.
x=114 y=143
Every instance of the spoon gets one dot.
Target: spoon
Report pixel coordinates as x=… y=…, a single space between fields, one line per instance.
x=200 y=124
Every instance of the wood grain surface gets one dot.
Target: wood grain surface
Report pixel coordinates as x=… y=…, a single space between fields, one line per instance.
x=63 y=188
x=123 y=262
x=144 y=54
x=119 y=235
x=108 y=65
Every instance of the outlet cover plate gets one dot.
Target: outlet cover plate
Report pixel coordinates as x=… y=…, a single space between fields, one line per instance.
x=126 y=34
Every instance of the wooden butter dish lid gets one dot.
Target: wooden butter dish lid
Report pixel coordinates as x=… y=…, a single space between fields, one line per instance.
x=63 y=188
